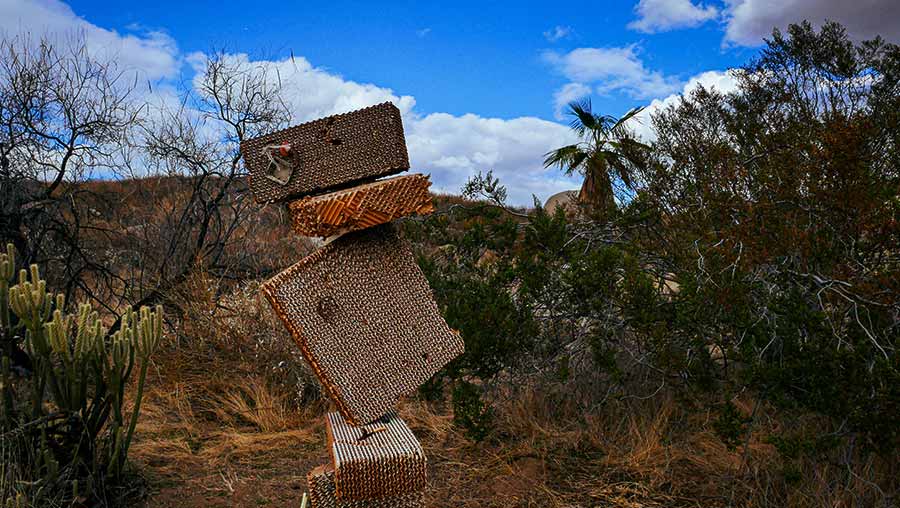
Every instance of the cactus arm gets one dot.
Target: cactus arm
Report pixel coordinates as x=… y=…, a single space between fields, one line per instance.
x=147 y=337
x=7 y=271
x=135 y=413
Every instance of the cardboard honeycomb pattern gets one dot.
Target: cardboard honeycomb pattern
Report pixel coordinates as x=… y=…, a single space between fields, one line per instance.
x=322 y=490
x=336 y=151
x=364 y=317
x=362 y=207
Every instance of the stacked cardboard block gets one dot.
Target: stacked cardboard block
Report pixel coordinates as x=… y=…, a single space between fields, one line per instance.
x=359 y=308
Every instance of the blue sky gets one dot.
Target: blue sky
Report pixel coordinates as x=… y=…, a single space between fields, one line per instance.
x=483 y=57
x=480 y=84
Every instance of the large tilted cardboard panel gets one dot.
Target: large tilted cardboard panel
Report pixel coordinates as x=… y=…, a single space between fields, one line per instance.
x=364 y=317
x=362 y=206
x=334 y=152
x=380 y=464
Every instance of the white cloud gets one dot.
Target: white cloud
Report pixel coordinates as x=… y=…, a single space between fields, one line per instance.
x=749 y=21
x=568 y=93
x=451 y=148
x=662 y=15
x=723 y=81
x=613 y=69
x=423 y=32
x=152 y=53
x=312 y=92
x=558 y=32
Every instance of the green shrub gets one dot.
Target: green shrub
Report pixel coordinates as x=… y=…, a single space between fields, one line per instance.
x=470 y=413
x=730 y=425
x=756 y=252
x=66 y=431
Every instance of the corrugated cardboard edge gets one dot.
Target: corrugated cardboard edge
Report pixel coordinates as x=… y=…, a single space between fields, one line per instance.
x=421 y=206
x=314 y=480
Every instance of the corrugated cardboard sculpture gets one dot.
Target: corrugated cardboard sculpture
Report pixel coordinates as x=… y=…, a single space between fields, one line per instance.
x=334 y=152
x=359 y=308
x=363 y=315
x=362 y=207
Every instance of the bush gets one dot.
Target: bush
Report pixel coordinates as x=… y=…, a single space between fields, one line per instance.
x=780 y=204
x=66 y=429
x=470 y=413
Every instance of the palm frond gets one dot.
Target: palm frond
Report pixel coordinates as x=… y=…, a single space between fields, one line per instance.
x=608 y=151
x=568 y=158
x=620 y=127
x=583 y=117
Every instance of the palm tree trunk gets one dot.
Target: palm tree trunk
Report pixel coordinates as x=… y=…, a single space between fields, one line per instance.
x=597 y=193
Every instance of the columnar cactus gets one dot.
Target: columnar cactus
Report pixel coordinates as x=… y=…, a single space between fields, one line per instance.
x=79 y=365
x=7 y=270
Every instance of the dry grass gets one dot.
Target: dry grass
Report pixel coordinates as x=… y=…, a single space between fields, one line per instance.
x=221 y=428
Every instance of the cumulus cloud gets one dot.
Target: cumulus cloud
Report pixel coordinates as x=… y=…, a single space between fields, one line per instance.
x=152 y=53
x=311 y=92
x=723 y=81
x=613 y=69
x=558 y=32
x=452 y=148
x=449 y=147
x=662 y=15
x=749 y=21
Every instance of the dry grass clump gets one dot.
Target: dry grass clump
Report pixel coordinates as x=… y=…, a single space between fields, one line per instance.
x=212 y=432
x=237 y=321
x=255 y=403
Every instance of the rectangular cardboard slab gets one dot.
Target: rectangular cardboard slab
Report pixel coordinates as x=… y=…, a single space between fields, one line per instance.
x=362 y=206
x=378 y=460
x=329 y=153
x=322 y=490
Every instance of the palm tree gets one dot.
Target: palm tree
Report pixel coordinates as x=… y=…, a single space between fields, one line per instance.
x=608 y=150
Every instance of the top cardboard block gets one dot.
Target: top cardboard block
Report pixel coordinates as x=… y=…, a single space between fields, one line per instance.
x=331 y=153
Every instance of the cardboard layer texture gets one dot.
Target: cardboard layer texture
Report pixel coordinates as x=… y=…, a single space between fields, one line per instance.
x=322 y=490
x=361 y=207
x=326 y=154
x=364 y=317
x=377 y=460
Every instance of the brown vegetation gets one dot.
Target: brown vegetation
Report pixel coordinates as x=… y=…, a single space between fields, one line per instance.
x=233 y=418
x=220 y=428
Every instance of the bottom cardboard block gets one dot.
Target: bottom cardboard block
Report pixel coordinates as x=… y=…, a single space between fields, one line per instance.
x=322 y=494
x=377 y=460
